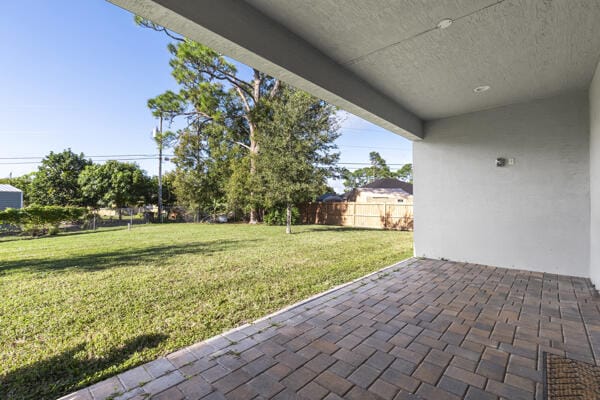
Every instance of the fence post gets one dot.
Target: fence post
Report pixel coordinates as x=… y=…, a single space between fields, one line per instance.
x=385 y=217
x=354 y=215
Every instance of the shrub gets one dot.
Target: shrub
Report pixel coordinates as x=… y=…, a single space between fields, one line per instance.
x=36 y=219
x=277 y=216
x=76 y=213
x=10 y=216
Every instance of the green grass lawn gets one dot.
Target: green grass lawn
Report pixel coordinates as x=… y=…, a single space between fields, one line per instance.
x=80 y=307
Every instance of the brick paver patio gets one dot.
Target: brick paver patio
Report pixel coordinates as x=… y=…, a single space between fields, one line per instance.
x=420 y=329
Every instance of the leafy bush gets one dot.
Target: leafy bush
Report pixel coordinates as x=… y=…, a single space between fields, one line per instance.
x=277 y=216
x=36 y=219
x=10 y=216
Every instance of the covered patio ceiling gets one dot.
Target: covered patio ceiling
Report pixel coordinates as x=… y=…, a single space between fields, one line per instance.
x=389 y=61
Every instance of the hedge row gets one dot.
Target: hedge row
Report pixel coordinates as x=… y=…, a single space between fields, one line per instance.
x=35 y=218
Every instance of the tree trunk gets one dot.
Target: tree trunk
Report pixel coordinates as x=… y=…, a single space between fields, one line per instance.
x=288 y=219
x=120 y=214
x=253 y=216
x=253 y=154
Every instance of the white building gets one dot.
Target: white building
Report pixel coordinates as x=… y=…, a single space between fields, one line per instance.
x=10 y=197
x=387 y=190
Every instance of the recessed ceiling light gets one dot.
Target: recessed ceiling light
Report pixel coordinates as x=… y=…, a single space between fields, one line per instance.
x=443 y=24
x=481 y=89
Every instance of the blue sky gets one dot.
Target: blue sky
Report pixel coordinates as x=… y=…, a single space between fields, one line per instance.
x=78 y=74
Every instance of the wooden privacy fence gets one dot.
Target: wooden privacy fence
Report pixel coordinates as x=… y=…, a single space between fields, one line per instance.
x=364 y=215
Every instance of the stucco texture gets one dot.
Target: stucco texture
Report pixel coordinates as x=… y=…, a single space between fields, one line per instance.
x=595 y=178
x=532 y=215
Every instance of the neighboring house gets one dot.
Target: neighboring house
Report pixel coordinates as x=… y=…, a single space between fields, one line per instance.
x=387 y=190
x=10 y=197
x=329 y=198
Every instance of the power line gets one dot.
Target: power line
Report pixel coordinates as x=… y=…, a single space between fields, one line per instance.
x=111 y=159
x=171 y=155
x=99 y=156
x=363 y=129
x=363 y=163
x=141 y=157
x=382 y=130
x=356 y=169
x=154 y=158
x=373 y=147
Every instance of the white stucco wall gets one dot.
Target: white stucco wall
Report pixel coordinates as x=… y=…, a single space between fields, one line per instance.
x=532 y=215
x=595 y=178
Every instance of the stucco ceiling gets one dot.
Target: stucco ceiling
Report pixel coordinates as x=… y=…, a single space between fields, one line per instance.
x=385 y=60
x=523 y=49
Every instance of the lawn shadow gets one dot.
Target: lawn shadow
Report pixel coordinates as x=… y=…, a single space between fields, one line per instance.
x=104 y=260
x=16 y=238
x=58 y=375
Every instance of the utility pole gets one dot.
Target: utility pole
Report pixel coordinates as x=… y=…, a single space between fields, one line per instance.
x=159 y=139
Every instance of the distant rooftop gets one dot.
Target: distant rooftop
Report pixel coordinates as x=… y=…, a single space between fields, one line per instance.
x=8 y=188
x=389 y=183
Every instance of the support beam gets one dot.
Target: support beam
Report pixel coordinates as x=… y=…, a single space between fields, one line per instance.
x=237 y=30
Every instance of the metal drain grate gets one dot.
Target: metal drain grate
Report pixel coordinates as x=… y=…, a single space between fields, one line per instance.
x=567 y=379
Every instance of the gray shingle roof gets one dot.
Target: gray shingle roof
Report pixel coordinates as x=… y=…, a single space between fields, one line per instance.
x=390 y=183
x=8 y=188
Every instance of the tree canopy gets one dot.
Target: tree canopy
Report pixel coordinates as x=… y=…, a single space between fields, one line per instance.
x=298 y=153
x=114 y=184
x=55 y=182
x=378 y=170
x=213 y=92
x=229 y=147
